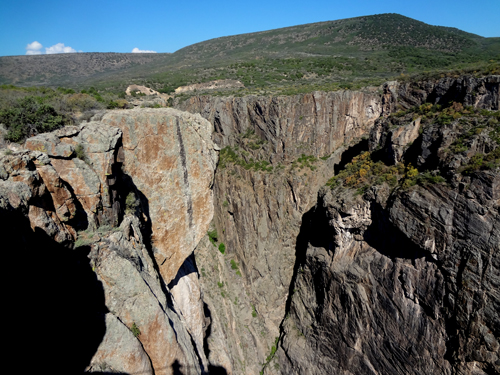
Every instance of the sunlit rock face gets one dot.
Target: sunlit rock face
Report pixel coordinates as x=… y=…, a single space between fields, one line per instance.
x=171 y=159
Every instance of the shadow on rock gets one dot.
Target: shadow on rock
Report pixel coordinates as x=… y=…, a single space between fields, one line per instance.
x=54 y=302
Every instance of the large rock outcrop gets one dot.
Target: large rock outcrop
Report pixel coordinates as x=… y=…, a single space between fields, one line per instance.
x=71 y=189
x=171 y=159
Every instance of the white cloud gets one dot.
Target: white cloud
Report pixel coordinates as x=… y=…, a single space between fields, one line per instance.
x=137 y=50
x=34 y=48
x=59 y=48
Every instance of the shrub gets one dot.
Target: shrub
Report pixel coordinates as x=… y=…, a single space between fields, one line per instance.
x=212 y=236
x=79 y=103
x=222 y=248
x=254 y=312
x=84 y=238
x=234 y=265
x=80 y=152
x=29 y=117
x=112 y=105
x=131 y=202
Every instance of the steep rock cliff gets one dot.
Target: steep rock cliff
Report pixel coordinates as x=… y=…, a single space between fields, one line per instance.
x=261 y=217
x=258 y=210
x=403 y=278
x=171 y=161
x=396 y=278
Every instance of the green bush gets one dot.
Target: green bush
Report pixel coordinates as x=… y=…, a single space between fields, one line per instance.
x=254 y=312
x=135 y=330
x=131 y=202
x=80 y=152
x=222 y=248
x=29 y=117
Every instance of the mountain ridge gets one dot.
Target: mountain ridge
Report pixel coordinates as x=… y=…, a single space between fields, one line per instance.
x=378 y=46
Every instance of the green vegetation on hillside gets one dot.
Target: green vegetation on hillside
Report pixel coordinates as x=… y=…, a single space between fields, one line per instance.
x=363 y=172
x=332 y=55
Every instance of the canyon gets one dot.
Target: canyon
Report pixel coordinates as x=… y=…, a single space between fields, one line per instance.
x=203 y=239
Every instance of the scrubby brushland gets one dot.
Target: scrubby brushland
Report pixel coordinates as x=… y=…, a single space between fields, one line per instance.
x=348 y=53
x=25 y=112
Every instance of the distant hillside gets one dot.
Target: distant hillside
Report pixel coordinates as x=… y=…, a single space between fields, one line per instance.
x=370 y=33
x=68 y=69
x=362 y=48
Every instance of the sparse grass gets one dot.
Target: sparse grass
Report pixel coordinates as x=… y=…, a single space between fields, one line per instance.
x=229 y=155
x=135 y=330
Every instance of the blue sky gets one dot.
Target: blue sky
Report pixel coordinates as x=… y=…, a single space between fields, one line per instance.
x=166 y=26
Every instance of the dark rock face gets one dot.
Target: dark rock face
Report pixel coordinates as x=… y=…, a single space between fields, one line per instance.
x=317 y=123
x=402 y=280
x=375 y=278
x=477 y=92
x=258 y=213
x=404 y=284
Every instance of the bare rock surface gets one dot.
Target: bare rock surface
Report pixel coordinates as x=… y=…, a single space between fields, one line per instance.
x=120 y=351
x=267 y=222
x=317 y=123
x=403 y=279
x=134 y=294
x=71 y=188
x=171 y=159
x=258 y=213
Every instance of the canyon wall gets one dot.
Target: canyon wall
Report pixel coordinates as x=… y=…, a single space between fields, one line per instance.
x=260 y=290
x=258 y=212
x=109 y=221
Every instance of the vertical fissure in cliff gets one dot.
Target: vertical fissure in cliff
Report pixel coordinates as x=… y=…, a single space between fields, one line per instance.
x=187 y=190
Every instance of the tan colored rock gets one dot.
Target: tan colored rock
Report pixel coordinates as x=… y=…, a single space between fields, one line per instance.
x=88 y=176
x=402 y=137
x=23 y=189
x=212 y=85
x=188 y=297
x=133 y=294
x=171 y=159
x=120 y=351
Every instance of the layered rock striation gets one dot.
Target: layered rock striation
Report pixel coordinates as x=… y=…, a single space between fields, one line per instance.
x=402 y=277
x=264 y=218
